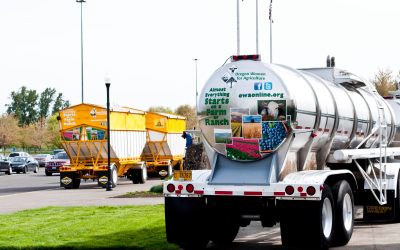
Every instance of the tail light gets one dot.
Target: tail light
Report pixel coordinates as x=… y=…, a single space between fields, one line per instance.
x=310 y=190
x=289 y=190
x=189 y=188
x=171 y=188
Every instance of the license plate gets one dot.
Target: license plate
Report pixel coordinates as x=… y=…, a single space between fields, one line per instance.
x=54 y=168
x=185 y=175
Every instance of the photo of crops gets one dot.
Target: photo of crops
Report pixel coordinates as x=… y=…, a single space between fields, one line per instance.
x=273 y=134
x=223 y=136
x=236 y=120
x=252 y=126
x=243 y=149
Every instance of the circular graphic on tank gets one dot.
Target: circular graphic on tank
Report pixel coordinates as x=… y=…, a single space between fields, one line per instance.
x=243 y=111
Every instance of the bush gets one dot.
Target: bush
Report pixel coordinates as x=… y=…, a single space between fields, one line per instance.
x=157 y=189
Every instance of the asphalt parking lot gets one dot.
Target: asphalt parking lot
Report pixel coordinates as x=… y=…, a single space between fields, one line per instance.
x=28 y=191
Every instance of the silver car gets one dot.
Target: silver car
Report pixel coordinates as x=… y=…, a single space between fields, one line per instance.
x=42 y=159
x=5 y=165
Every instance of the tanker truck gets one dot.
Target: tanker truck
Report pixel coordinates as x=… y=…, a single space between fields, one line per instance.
x=298 y=147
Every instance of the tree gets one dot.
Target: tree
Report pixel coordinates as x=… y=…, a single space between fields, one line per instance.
x=59 y=103
x=9 y=131
x=384 y=82
x=53 y=135
x=45 y=100
x=27 y=139
x=190 y=113
x=161 y=109
x=23 y=106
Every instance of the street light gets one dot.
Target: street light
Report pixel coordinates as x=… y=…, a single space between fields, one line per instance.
x=81 y=1
x=195 y=62
x=109 y=184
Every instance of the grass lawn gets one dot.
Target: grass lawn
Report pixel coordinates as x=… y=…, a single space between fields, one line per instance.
x=123 y=227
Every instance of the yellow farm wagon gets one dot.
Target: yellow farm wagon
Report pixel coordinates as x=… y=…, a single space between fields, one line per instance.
x=164 y=149
x=83 y=131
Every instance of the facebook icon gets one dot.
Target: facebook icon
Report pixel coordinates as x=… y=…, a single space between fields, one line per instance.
x=268 y=85
x=258 y=86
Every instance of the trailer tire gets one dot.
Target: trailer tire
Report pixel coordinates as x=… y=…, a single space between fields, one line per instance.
x=344 y=210
x=114 y=176
x=143 y=175
x=170 y=170
x=397 y=201
x=76 y=183
x=186 y=222
x=224 y=232
x=308 y=224
x=139 y=176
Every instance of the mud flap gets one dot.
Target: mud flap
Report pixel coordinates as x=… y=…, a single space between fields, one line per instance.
x=67 y=179
x=102 y=178
x=185 y=220
x=373 y=211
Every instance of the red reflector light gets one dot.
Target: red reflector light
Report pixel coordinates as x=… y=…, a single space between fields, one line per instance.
x=201 y=192
x=252 y=193
x=246 y=57
x=171 y=188
x=189 y=188
x=300 y=189
x=311 y=190
x=289 y=190
x=180 y=187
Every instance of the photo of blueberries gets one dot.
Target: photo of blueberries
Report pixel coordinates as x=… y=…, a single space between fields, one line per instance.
x=273 y=133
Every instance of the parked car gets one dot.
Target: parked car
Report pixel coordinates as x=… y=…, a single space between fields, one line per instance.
x=24 y=164
x=58 y=150
x=42 y=159
x=53 y=165
x=13 y=154
x=5 y=165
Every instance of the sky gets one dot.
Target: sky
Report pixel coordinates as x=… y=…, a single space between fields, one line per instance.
x=146 y=48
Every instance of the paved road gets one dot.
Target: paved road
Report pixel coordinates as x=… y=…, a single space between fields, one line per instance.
x=27 y=191
x=19 y=192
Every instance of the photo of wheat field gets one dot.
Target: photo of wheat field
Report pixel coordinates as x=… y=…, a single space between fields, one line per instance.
x=252 y=128
x=236 y=120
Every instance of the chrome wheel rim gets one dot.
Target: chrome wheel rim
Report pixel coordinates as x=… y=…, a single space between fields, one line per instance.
x=327 y=217
x=115 y=176
x=347 y=212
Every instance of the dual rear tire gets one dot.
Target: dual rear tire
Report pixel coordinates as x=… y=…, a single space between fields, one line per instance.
x=320 y=224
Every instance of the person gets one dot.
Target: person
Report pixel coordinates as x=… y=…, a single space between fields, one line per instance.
x=188 y=138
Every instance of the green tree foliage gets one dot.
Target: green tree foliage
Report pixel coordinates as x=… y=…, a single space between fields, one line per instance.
x=23 y=106
x=28 y=108
x=59 y=103
x=53 y=134
x=45 y=100
x=161 y=109
x=190 y=113
x=384 y=82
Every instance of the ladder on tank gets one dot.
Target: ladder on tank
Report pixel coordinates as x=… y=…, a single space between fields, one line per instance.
x=375 y=174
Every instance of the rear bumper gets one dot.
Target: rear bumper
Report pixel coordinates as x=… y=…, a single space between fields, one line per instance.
x=52 y=169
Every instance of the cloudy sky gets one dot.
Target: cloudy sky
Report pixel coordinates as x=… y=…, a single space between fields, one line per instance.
x=146 y=48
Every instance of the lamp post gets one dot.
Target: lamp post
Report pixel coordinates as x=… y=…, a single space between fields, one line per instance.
x=109 y=184
x=81 y=1
x=195 y=63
